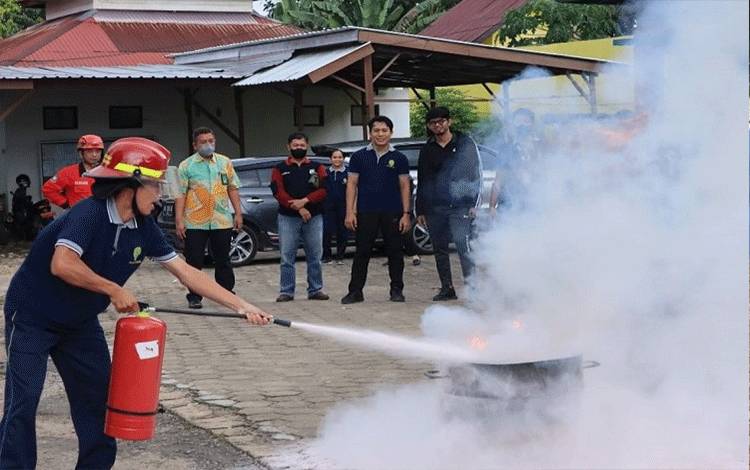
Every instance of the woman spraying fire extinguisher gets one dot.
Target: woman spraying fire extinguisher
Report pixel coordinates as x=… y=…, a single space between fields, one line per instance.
x=75 y=269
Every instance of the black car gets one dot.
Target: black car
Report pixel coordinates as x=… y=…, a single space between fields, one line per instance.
x=259 y=210
x=420 y=237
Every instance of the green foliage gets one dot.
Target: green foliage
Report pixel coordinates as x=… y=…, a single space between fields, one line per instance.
x=487 y=129
x=561 y=22
x=463 y=114
x=406 y=16
x=14 y=18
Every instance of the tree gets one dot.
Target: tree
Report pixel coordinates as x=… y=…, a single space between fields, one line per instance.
x=14 y=18
x=560 y=22
x=463 y=114
x=395 y=15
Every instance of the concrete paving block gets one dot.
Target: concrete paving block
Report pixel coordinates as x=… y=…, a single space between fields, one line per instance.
x=191 y=411
x=176 y=402
x=223 y=403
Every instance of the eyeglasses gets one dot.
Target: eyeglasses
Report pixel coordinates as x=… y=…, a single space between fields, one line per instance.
x=437 y=122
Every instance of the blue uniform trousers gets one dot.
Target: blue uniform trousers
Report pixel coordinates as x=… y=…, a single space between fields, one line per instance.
x=81 y=357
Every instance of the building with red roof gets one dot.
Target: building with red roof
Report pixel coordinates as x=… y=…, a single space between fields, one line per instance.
x=121 y=68
x=472 y=20
x=107 y=67
x=122 y=37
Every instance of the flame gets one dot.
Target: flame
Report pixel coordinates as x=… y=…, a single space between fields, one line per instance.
x=477 y=342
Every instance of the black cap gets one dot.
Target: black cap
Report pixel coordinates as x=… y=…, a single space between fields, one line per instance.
x=438 y=112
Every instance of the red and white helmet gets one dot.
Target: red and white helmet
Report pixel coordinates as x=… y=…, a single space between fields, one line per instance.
x=133 y=157
x=90 y=141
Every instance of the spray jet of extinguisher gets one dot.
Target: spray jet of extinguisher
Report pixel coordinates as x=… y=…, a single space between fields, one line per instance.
x=146 y=308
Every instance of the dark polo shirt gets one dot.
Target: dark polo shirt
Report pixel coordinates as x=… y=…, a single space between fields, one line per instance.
x=108 y=246
x=378 y=189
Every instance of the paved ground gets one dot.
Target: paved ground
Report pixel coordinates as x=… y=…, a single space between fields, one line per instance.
x=265 y=390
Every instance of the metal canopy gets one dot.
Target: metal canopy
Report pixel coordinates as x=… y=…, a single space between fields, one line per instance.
x=423 y=62
x=310 y=66
x=133 y=71
x=362 y=59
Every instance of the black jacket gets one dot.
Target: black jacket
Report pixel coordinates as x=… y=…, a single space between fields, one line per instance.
x=450 y=177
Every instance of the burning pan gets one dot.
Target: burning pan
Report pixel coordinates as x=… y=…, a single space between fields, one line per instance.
x=517 y=380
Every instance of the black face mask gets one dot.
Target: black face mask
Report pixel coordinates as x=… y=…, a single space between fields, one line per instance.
x=298 y=153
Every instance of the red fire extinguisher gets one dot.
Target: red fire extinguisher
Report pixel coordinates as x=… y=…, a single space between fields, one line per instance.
x=136 y=375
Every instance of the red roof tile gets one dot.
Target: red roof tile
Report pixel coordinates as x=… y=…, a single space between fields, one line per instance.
x=83 y=40
x=471 y=20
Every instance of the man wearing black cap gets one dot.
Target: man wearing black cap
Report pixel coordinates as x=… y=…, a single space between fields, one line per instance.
x=448 y=193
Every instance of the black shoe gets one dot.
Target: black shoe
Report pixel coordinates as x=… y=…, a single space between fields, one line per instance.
x=284 y=298
x=353 y=298
x=320 y=295
x=445 y=294
x=397 y=296
x=326 y=261
x=196 y=304
x=340 y=262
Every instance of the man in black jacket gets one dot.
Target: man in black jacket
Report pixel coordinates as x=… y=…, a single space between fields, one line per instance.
x=448 y=193
x=299 y=184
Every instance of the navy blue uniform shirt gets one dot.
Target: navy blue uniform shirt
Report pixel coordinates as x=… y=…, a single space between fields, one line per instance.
x=379 y=189
x=336 y=187
x=111 y=248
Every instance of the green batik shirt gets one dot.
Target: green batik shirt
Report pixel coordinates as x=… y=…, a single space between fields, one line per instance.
x=205 y=183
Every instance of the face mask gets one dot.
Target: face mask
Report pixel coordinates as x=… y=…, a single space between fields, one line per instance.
x=298 y=153
x=206 y=150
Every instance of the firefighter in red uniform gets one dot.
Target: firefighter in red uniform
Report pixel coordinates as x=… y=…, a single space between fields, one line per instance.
x=69 y=185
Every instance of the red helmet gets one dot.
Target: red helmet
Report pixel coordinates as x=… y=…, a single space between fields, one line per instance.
x=133 y=157
x=90 y=141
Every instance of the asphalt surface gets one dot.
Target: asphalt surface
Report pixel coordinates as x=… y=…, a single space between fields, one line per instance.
x=177 y=445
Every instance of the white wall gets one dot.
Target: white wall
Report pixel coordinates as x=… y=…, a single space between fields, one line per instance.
x=176 y=5
x=268 y=119
x=398 y=112
x=58 y=8
x=269 y=115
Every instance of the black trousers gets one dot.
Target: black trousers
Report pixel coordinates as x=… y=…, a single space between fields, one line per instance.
x=368 y=226
x=333 y=224
x=195 y=248
x=444 y=226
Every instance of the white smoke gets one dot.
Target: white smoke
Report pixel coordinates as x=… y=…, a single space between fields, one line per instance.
x=633 y=253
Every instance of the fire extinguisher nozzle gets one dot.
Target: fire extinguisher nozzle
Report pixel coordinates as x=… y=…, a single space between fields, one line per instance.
x=281 y=322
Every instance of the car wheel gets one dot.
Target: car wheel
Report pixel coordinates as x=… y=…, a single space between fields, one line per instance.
x=420 y=240
x=243 y=247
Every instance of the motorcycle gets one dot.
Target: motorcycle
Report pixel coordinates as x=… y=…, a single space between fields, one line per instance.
x=26 y=218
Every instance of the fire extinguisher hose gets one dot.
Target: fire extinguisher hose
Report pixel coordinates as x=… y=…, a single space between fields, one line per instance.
x=146 y=307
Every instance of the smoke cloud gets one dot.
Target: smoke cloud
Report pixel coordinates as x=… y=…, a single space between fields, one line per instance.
x=629 y=246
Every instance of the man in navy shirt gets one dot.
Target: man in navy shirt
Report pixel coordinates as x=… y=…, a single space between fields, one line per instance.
x=75 y=269
x=378 y=199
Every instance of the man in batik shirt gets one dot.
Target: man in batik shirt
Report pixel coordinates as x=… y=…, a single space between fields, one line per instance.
x=203 y=212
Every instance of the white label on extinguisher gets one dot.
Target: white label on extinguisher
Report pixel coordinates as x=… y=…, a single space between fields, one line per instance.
x=148 y=349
